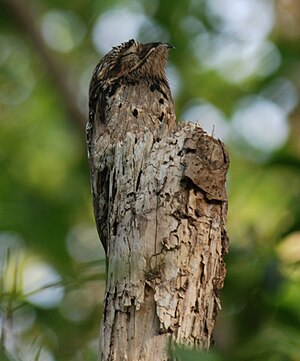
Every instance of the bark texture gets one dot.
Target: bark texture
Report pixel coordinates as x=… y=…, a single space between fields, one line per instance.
x=165 y=207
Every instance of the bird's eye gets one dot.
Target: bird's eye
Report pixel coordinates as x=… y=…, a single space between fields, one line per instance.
x=127 y=54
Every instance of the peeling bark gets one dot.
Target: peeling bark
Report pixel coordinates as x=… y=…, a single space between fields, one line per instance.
x=166 y=205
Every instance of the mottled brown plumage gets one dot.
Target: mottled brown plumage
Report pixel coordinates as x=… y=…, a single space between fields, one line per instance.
x=128 y=92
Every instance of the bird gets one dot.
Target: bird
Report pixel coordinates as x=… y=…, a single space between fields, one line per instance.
x=128 y=92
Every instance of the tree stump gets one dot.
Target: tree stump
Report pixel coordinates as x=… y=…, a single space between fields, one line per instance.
x=166 y=207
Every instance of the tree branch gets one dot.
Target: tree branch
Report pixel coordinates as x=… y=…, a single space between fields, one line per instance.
x=165 y=216
x=26 y=20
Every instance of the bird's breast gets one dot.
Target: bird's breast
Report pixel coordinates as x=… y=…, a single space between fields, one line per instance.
x=134 y=106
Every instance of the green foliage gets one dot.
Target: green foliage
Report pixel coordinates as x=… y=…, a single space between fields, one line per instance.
x=231 y=70
x=185 y=354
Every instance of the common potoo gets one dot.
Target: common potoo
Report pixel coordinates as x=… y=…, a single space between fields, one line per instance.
x=129 y=92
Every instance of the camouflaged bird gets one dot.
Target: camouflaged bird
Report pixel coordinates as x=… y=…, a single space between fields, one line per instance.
x=128 y=92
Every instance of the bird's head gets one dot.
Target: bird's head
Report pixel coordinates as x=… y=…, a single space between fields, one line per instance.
x=135 y=60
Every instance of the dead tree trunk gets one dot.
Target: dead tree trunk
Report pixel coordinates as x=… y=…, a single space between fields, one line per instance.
x=165 y=221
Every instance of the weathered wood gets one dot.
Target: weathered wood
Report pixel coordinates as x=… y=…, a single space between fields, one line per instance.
x=165 y=216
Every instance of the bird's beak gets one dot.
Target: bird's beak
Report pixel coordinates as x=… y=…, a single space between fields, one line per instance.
x=169 y=46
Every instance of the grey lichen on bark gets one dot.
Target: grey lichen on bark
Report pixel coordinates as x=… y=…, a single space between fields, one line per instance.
x=166 y=214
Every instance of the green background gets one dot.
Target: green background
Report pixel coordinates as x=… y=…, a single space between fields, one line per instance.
x=236 y=69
